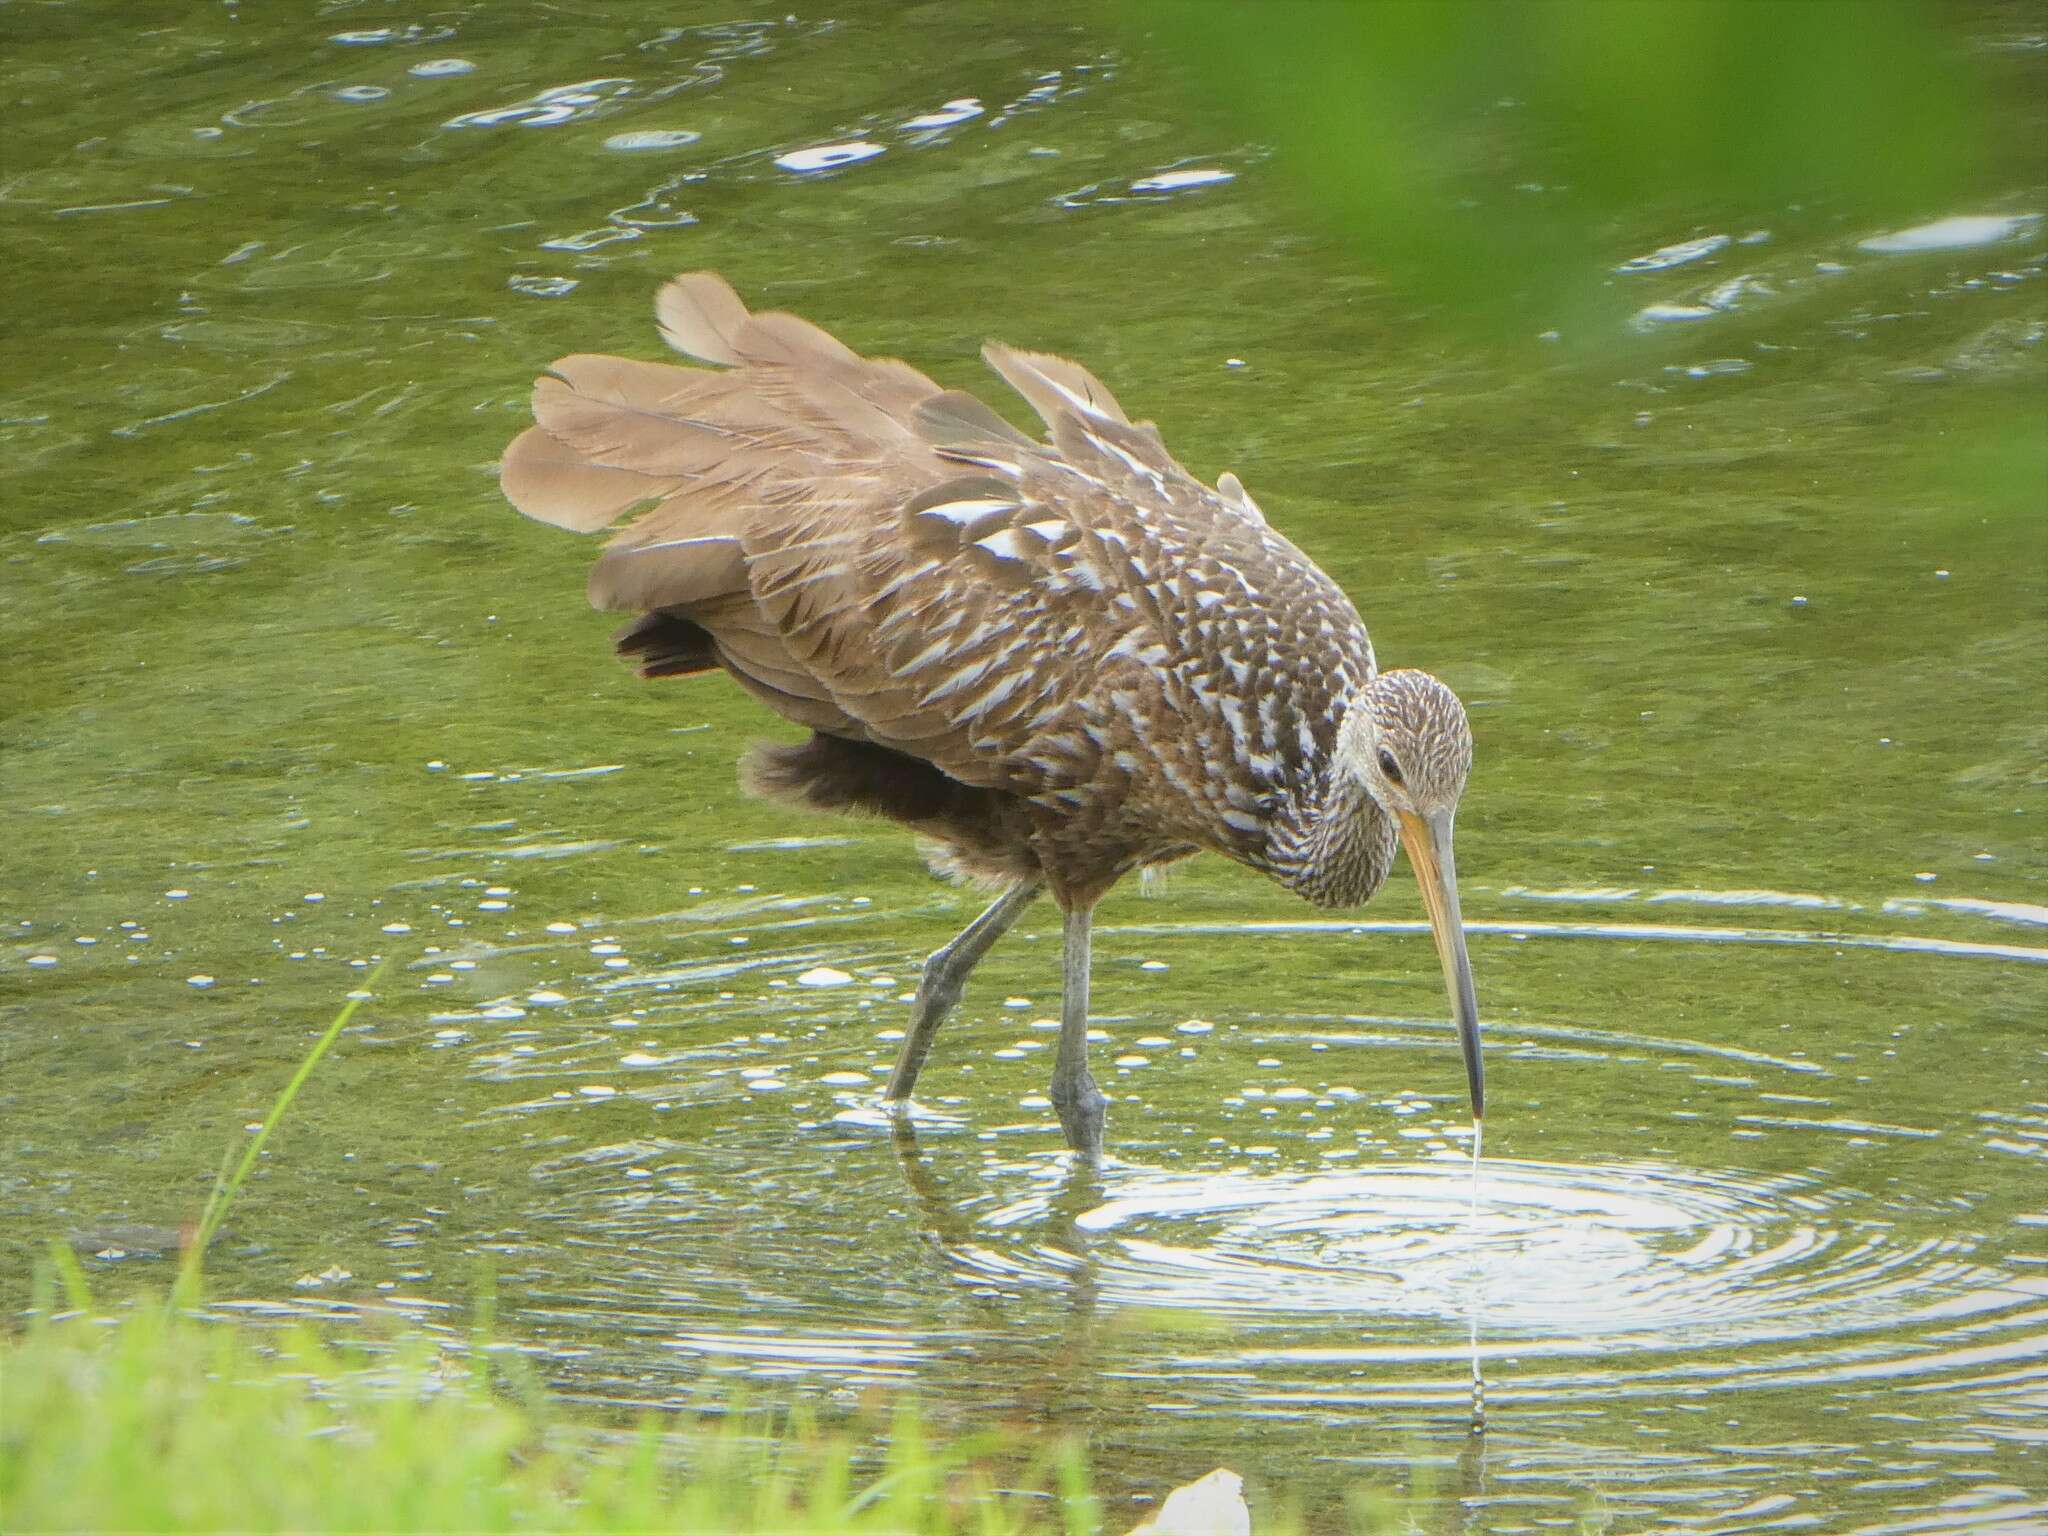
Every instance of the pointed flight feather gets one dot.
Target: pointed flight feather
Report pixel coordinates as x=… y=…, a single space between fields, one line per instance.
x=956 y=419
x=700 y=317
x=1232 y=490
x=551 y=481
x=1054 y=386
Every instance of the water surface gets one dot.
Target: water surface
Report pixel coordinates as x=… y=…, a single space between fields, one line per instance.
x=1751 y=855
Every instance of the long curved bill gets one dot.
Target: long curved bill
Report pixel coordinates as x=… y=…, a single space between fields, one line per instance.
x=1429 y=850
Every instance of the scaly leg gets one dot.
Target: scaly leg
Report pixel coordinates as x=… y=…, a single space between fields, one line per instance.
x=945 y=973
x=1074 y=1095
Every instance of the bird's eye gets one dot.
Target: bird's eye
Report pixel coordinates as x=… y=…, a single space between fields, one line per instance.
x=1389 y=767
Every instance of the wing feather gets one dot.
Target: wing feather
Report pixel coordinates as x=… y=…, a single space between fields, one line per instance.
x=881 y=559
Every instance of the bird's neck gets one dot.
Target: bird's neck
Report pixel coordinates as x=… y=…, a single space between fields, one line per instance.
x=1337 y=850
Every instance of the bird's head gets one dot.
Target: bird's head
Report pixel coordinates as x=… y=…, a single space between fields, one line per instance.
x=1405 y=741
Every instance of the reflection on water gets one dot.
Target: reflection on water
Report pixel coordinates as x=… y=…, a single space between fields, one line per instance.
x=1751 y=869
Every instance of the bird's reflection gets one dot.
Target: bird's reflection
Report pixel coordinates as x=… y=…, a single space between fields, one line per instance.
x=1065 y=1388
x=1070 y=1379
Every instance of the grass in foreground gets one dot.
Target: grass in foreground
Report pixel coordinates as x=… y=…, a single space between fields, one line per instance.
x=154 y=1423
x=159 y=1420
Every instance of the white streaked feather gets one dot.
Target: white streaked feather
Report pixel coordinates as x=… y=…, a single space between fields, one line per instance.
x=1004 y=544
x=972 y=510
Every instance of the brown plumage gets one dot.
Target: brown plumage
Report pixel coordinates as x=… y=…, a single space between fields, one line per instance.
x=1062 y=658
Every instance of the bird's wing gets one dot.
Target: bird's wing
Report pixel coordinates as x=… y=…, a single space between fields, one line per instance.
x=1093 y=612
x=881 y=559
x=792 y=439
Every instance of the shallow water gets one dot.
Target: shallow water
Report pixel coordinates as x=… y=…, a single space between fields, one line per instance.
x=1751 y=857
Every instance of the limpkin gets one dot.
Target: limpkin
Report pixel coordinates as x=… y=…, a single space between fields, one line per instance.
x=1060 y=659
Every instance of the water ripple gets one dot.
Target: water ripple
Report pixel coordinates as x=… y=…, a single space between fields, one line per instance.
x=1631 y=1277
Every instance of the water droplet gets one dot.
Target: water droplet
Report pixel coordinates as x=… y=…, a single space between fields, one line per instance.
x=540 y=288
x=651 y=138
x=598 y=1091
x=823 y=976
x=962 y=109
x=1679 y=255
x=42 y=962
x=1954 y=234
x=825 y=157
x=202 y=981
x=434 y=69
x=176 y=894
x=1183 y=180
x=1671 y=314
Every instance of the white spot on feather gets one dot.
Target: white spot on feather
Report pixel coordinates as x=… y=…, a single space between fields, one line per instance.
x=994 y=698
x=966 y=677
x=1079 y=402
x=1005 y=544
x=903 y=580
x=972 y=510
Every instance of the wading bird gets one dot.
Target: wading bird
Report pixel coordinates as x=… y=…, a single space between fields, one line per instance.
x=1061 y=658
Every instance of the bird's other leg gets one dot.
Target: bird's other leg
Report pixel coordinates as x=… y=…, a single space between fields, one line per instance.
x=945 y=974
x=1074 y=1095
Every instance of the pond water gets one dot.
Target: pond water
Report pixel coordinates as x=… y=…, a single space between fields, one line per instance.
x=1752 y=856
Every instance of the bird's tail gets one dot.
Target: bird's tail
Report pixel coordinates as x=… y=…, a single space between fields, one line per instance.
x=785 y=410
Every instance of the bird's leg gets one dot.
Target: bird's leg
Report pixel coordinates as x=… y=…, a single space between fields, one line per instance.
x=1074 y=1094
x=945 y=973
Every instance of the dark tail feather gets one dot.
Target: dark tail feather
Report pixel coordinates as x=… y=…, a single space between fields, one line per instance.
x=985 y=832
x=667 y=645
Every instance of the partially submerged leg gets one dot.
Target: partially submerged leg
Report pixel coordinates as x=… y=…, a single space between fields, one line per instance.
x=945 y=973
x=1074 y=1094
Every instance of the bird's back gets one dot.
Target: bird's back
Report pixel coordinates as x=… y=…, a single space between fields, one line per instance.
x=1074 y=623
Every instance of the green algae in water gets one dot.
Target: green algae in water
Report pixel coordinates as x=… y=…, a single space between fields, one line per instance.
x=1750 y=652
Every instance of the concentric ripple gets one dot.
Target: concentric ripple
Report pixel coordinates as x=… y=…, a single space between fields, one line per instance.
x=1654 y=1272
